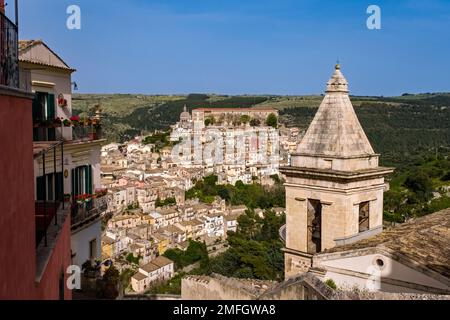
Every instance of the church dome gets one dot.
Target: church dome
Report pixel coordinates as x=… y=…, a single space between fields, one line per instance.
x=185 y=114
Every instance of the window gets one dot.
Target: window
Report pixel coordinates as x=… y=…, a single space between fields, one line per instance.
x=82 y=180
x=54 y=187
x=43 y=109
x=364 y=209
x=314 y=232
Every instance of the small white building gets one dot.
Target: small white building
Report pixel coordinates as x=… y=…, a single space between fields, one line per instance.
x=213 y=225
x=160 y=269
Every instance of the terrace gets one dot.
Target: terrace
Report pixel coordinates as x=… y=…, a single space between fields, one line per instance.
x=51 y=212
x=49 y=205
x=67 y=130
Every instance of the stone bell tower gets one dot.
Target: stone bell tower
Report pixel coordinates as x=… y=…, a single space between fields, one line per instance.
x=334 y=187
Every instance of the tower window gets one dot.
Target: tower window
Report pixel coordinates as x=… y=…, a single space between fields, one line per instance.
x=364 y=216
x=314 y=226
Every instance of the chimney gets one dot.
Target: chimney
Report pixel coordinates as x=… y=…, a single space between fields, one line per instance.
x=2 y=6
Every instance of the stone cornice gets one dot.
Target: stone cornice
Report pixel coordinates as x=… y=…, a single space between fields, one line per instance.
x=332 y=175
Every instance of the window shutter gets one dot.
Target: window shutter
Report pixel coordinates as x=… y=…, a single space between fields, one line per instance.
x=51 y=106
x=58 y=186
x=37 y=108
x=40 y=188
x=74 y=183
x=89 y=179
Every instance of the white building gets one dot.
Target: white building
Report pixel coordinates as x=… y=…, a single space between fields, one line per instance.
x=73 y=168
x=213 y=225
x=160 y=269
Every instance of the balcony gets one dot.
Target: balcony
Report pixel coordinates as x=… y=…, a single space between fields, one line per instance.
x=85 y=212
x=9 y=53
x=60 y=130
x=48 y=207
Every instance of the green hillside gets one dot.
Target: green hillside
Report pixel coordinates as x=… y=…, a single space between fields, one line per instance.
x=398 y=127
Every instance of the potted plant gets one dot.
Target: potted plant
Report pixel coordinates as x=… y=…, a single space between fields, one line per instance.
x=83 y=198
x=75 y=120
x=67 y=122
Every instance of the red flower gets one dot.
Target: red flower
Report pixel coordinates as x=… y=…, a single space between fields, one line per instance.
x=75 y=118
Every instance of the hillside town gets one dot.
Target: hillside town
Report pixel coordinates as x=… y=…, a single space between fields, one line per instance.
x=147 y=209
x=223 y=203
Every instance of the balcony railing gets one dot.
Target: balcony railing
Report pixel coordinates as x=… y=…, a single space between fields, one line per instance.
x=83 y=213
x=47 y=211
x=86 y=133
x=9 y=53
x=53 y=131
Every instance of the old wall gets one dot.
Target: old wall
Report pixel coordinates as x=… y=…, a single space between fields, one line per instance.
x=17 y=238
x=48 y=287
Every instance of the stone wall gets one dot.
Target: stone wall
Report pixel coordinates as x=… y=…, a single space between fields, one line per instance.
x=222 y=288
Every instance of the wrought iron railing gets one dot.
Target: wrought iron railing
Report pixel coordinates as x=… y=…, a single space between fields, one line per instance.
x=86 y=133
x=9 y=53
x=88 y=210
x=46 y=210
x=52 y=131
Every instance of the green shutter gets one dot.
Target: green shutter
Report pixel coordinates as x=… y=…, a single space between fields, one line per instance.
x=58 y=186
x=51 y=106
x=88 y=179
x=40 y=188
x=74 y=183
x=37 y=108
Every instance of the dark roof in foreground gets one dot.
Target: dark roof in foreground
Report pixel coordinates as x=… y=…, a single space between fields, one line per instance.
x=424 y=240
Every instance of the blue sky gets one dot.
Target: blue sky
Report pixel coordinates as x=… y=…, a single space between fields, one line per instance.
x=247 y=46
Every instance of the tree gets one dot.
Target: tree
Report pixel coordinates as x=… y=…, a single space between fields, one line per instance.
x=108 y=286
x=272 y=120
x=209 y=121
x=255 y=122
x=419 y=183
x=245 y=119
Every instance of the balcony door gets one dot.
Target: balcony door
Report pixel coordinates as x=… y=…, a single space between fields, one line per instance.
x=53 y=183
x=43 y=110
x=82 y=180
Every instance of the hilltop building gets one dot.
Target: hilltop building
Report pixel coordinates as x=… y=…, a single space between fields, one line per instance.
x=233 y=143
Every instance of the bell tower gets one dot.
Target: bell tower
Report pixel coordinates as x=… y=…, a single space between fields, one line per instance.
x=334 y=186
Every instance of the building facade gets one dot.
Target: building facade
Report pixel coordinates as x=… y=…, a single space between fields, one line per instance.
x=34 y=237
x=75 y=179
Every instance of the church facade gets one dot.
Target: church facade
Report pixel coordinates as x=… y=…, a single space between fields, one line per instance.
x=334 y=185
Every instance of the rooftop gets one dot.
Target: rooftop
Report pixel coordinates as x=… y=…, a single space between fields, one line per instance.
x=156 y=264
x=42 y=55
x=236 y=109
x=139 y=276
x=424 y=240
x=335 y=130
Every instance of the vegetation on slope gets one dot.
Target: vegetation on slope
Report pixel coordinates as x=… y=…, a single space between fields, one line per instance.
x=252 y=195
x=128 y=115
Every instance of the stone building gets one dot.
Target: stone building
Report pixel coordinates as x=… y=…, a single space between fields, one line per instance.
x=334 y=187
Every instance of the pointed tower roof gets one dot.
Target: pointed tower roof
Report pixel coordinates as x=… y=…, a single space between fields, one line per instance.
x=335 y=131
